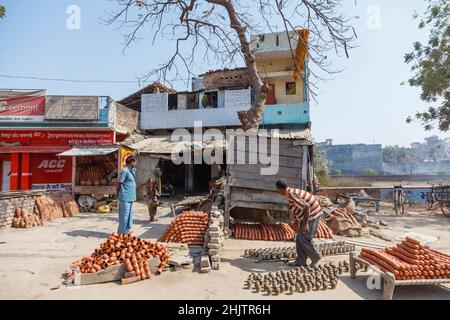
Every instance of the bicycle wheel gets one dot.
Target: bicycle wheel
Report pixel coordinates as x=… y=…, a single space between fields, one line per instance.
x=430 y=201
x=445 y=207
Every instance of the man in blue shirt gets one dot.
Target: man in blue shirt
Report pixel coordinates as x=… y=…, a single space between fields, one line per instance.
x=127 y=195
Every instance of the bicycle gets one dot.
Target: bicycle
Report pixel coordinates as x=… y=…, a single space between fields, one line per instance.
x=441 y=195
x=399 y=200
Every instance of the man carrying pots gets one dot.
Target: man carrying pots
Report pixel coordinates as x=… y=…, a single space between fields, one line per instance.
x=126 y=189
x=306 y=211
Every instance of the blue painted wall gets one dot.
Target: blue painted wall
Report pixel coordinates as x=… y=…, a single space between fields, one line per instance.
x=286 y=114
x=416 y=195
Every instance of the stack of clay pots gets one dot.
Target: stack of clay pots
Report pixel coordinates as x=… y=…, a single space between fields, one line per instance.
x=49 y=208
x=123 y=248
x=323 y=231
x=24 y=219
x=189 y=227
x=263 y=231
x=286 y=253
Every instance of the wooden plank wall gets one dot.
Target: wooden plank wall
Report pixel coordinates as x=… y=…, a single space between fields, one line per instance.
x=247 y=187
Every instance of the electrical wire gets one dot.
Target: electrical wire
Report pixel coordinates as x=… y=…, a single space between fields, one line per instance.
x=79 y=81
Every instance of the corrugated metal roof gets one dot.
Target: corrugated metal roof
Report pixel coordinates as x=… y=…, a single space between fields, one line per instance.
x=133 y=138
x=290 y=134
x=297 y=134
x=164 y=145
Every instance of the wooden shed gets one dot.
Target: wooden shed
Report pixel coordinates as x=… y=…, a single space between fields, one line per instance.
x=249 y=194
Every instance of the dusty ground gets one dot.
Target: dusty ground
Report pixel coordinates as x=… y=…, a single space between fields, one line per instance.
x=33 y=261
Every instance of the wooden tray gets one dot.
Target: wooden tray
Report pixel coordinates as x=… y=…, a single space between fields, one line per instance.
x=113 y=273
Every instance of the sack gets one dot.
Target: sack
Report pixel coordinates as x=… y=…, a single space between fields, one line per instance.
x=343 y=227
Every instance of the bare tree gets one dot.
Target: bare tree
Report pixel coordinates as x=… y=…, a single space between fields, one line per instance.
x=221 y=29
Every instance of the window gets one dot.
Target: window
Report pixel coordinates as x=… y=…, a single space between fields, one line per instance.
x=291 y=88
x=173 y=101
x=210 y=100
x=192 y=101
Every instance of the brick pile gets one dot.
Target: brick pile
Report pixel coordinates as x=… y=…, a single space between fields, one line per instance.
x=215 y=237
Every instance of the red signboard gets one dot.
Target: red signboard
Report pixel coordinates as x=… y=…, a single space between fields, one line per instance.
x=22 y=109
x=57 y=137
x=50 y=172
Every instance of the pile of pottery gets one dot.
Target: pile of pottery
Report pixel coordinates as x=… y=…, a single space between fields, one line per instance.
x=286 y=253
x=123 y=248
x=301 y=279
x=24 y=219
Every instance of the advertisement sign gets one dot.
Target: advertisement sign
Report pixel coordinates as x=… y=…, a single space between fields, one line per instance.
x=22 y=109
x=57 y=137
x=71 y=107
x=50 y=172
x=124 y=153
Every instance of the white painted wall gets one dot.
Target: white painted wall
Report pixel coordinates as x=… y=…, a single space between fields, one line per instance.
x=154 y=113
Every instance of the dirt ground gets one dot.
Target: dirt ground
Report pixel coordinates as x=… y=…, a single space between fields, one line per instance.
x=33 y=262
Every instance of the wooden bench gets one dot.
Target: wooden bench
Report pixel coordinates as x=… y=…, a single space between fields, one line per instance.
x=389 y=282
x=361 y=199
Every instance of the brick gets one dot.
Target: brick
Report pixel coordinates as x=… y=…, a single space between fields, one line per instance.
x=204 y=262
x=213 y=246
x=205 y=269
x=130 y=280
x=214 y=252
x=215 y=265
x=215 y=258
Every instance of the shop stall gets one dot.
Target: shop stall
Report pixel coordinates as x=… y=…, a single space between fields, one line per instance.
x=95 y=170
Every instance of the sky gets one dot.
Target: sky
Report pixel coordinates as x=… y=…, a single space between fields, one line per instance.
x=365 y=103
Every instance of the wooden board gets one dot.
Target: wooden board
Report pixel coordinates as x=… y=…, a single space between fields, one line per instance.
x=283 y=150
x=94 y=190
x=259 y=205
x=113 y=273
x=244 y=194
x=235 y=169
x=271 y=178
x=266 y=184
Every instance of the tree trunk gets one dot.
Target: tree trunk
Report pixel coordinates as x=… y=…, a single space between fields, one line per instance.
x=251 y=118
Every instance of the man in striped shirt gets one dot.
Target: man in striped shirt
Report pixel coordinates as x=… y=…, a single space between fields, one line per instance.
x=307 y=211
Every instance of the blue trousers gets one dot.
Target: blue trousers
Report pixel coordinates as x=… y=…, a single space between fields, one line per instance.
x=125 y=217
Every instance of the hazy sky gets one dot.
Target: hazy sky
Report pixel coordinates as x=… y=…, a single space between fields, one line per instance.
x=363 y=104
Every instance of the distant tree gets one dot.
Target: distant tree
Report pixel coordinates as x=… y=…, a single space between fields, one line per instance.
x=400 y=155
x=369 y=172
x=436 y=153
x=430 y=66
x=2 y=11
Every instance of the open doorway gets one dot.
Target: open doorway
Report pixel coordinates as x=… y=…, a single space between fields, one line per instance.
x=173 y=174
x=202 y=176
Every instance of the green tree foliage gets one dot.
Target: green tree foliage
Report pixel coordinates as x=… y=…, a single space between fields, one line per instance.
x=369 y=172
x=431 y=66
x=2 y=11
x=396 y=154
x=321 y=167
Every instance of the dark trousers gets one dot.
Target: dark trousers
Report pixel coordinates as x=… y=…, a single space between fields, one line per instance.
x=304 y=245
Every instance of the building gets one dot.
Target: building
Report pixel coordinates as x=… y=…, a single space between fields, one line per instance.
x=61 y=142
x=353 y=159
x=215 y=100
x=218 y=95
